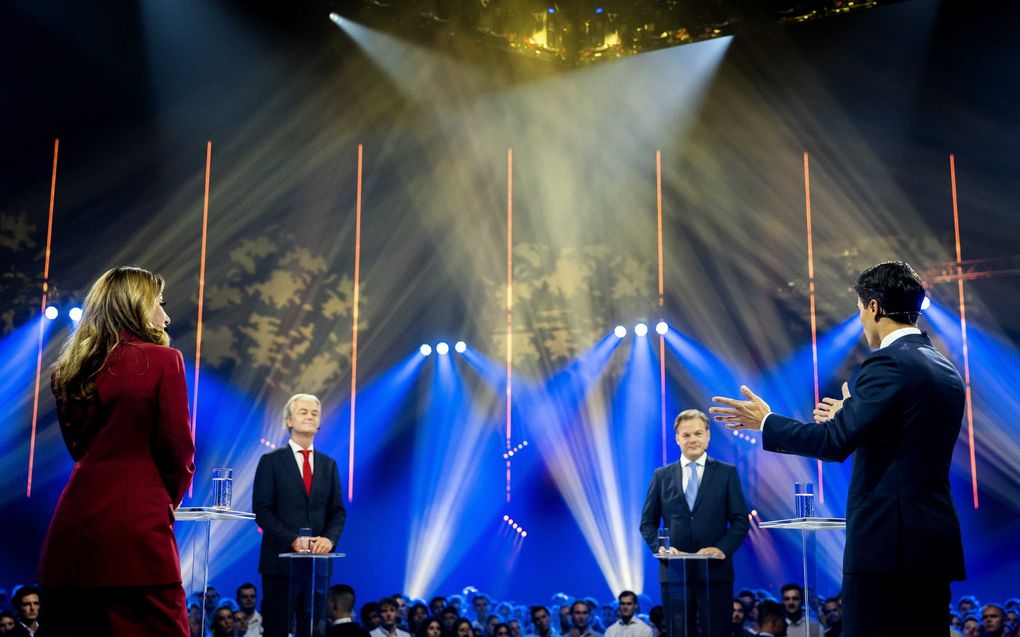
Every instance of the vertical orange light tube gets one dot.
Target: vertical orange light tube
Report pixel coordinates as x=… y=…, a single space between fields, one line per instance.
x=42 y=329
x=354 y=328
x=201 y=292
x=509 y=304
x=963 y=330
x=811 y=294
x=662 y=339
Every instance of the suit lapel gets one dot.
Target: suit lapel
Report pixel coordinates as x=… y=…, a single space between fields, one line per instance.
x=291 y=468
x=706 y=481
x=678 y=478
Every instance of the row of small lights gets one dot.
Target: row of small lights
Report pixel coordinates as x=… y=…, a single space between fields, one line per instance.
x=52 y=312
x=743 y=436
x=516 y=449
x=641 y=329
x=266 y=443
x=516 y=527
x=443 y=348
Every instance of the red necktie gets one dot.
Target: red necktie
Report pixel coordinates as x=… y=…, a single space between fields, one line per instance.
x=306 y=471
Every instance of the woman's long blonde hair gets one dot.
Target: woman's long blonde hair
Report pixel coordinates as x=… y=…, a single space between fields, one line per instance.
x=121 y=300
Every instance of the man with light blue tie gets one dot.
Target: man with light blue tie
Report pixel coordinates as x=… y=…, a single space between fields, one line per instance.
x=701 y=503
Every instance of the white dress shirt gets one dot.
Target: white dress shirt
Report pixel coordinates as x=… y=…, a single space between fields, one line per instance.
x=699 y=464
x=635 y=628
x=300 y=458
x=889 y=339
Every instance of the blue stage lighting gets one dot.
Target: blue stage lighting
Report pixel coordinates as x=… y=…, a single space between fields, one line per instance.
x=461 y=347
x=75 y=314
x=551 y=10
x=926 y=303
x=640 y=329
x=661 y=327
x=598 y=9
x=425 y=349
x=52 y=312
x=442 y=348
x=620 y=331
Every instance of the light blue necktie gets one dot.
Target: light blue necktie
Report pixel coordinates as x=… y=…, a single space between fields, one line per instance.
x=691 y=493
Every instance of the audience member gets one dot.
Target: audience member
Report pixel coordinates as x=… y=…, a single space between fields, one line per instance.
x=430 y=627
x=500 y=630
x=340 y=613
x=388 y=620
x=579 y=620
x=26 y=603
x=369 y=614
x=436 y=605
x=7 y=622
x=737 y=628
x=968 y=604
x=463 y=628
x=628 y=624
x=480 y=605
x=223 y=622
x=247 y=598
x=448 y=618
x=796 y=615
x=657 y=619
x=540 y=626
x=515 y=628
x=240 y=623
x=772 y=619
x=832 y=610
x=993 y=617
x=971 y=626
x=416 y=615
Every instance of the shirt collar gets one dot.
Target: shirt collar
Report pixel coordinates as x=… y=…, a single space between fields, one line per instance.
x=700 y=461
x=342 y=620
x=296 y=448
x=892 y=336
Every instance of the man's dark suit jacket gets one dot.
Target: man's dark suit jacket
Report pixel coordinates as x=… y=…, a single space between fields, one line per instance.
x=901 y=422
x=719 y=517
x=346 y=629
x=282 y=507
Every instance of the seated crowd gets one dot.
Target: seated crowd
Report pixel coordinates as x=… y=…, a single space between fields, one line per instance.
x=475 y=614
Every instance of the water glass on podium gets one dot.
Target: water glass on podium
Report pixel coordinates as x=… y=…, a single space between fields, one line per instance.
x=305 y=540
x=663 y=540
x=804 y=499
x=223 y=486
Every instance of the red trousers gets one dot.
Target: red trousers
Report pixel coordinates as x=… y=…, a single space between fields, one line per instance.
x=121 y=611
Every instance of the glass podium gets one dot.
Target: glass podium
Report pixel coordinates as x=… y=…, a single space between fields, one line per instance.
x=309 y=584
x=205 y=516
x=807 y=527
x=686 y=589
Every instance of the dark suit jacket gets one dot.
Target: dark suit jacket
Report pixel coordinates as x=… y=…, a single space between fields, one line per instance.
x=719 y=517
x=901 y=423
x=282 y=507
x=134 y=459
x=347 y=629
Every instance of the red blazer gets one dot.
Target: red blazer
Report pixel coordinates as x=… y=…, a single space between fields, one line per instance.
x=134 y=459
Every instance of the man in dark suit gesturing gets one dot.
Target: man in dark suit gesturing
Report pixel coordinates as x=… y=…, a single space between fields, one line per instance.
x=702 y=504
x=295 y=487
x=901 y=423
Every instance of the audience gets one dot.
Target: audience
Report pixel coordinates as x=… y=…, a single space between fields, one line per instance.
x=754 y=613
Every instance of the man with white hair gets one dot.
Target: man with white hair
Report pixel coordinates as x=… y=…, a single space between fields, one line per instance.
x=295 y=487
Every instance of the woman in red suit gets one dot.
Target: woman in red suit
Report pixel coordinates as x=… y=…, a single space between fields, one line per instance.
x=109 y=563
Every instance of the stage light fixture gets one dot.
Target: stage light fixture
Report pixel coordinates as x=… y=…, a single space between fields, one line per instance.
x=620 y=331
x=524 y=534
x=461 y=347
x=926 y=303
x=425 y=349
x=75 y=314
x=442 y=348
x=52 y=312
x=640 y=329
x=661 y=327
x=335 y=18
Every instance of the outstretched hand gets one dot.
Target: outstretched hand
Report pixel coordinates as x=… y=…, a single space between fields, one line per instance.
x=826 y=410
x=741 y=414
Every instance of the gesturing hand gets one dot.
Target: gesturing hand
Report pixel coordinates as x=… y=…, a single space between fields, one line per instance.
x=741 y=414
x=826 y=410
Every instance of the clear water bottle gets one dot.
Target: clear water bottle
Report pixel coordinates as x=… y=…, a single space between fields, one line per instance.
x=223 y=487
